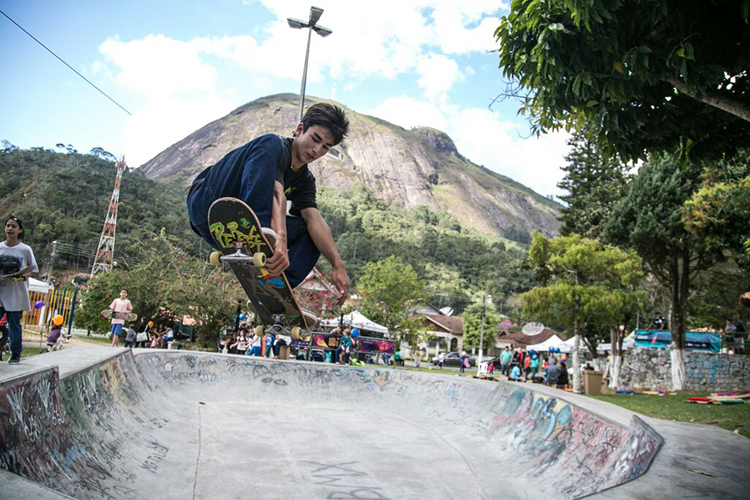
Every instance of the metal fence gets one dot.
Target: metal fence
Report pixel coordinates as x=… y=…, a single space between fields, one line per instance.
x=45 y=306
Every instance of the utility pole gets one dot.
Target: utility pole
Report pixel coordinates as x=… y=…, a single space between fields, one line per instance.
x=51 y=261
x=481 y=334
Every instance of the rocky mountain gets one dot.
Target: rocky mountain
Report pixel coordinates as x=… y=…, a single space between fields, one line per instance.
x=404 y=167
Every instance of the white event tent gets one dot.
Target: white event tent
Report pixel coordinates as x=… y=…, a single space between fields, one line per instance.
x=553 y=341
x=38 y=286
x=356 y=319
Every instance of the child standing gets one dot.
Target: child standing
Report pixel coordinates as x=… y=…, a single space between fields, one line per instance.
x=130 y=336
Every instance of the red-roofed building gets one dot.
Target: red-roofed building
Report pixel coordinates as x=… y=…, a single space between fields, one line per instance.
x=448 y=333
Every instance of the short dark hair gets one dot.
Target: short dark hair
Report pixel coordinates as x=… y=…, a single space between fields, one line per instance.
x=329 y=116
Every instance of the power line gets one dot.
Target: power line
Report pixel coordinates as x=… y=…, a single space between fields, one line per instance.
x=89 y=82
x=66 y=64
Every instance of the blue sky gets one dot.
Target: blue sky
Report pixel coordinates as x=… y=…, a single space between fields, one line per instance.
x=177 y=65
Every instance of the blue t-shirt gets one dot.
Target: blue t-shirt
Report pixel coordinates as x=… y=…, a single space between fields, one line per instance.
x=232 y=175
x=346 y=342
x=515 y=372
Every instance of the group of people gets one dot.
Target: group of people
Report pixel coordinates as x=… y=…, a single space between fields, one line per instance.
x=735 y=333
x=144 y=335
x=343 y=353
x=521 y=366
x=517 y=364
x=245 y=341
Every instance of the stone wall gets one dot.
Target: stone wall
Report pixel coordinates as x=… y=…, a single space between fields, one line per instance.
x=652 y=369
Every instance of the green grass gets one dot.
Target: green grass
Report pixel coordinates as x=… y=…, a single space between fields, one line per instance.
x=735 y=418
x=96 y=340
x=32 y=351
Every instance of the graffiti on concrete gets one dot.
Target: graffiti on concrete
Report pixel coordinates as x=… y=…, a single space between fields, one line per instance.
x=75 y=434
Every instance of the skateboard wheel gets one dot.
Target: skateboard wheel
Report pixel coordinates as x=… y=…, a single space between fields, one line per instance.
x=296 y=331
x=259 y=330
x=259 y=259
x=215 y=258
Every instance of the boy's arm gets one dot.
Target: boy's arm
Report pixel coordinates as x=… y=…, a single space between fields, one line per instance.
x=279 y=261
x=323 y=239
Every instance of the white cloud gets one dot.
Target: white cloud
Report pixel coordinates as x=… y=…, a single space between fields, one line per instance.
x=408 y=112
x=158 y=66
x=417 y=39
x=486 y=139
x=393 y=36
x=163 y=122
x=437 y=74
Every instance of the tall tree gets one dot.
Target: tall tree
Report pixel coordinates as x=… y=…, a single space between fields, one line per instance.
x=653 y=74
x=594 y=181
x=590 y=288
x=389 y=287
x=649 y=219
x=473 y=320
x=719 y=213
x=166 y=286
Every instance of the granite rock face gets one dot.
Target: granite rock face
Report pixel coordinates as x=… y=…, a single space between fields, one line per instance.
x=404 y=167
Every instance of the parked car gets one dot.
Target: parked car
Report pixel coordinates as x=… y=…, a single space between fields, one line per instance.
x=454 y=359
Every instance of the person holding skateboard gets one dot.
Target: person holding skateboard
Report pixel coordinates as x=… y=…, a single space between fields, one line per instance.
x=267 y=172
x=121 y=305
x=14 y=293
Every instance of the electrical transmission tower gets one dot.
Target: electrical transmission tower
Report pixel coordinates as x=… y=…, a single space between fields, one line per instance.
x=105 y=253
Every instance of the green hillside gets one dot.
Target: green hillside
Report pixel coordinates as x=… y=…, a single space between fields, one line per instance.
x=64 y=197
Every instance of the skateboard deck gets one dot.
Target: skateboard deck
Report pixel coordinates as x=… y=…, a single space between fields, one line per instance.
x=110 y=314
x=237 y=232
x=16 y=275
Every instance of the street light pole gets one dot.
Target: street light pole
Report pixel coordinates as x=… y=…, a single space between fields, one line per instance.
x=304 y=79
x=481 y=334
x=311 y=25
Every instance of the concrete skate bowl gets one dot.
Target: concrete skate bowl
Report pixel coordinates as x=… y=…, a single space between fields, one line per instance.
x=189 y=425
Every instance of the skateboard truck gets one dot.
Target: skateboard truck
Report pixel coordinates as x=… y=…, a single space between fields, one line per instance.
x=278 y=325
x=258 y=259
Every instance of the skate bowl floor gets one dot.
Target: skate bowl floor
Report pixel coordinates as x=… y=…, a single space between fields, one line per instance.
x=118 y=424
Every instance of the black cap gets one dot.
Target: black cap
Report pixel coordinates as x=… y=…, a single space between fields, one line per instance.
x=18 y=220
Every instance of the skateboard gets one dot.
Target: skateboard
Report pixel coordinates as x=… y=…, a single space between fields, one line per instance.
x=17 y=276
x=110 y=314
x=237 y=232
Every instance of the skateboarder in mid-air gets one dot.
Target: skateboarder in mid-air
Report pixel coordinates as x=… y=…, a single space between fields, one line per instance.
x=265 y=173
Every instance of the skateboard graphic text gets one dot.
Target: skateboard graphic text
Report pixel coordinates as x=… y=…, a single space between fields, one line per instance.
x=227 y=236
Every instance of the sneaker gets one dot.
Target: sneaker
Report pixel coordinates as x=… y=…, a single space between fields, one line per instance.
x=14 y=359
